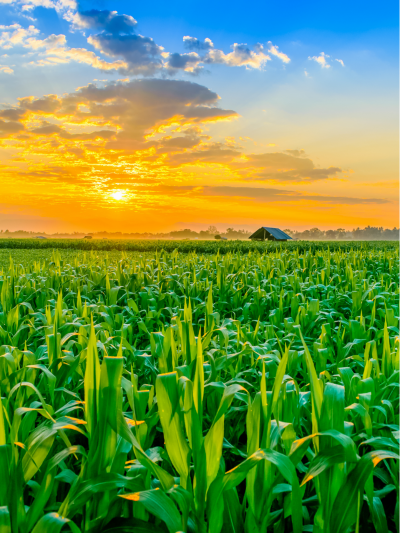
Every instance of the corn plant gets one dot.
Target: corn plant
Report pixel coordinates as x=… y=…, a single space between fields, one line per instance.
x=239 y=390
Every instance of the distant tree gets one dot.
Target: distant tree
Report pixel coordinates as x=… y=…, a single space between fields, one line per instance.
x=316 y=233
x=289 y=232
x=213 y=230
x=183 y=234
x=331 y=234
x=232 y=233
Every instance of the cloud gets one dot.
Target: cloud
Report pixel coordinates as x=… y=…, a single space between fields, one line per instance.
x=141 y=54
x=187 y=62
x=114 y=36
x=273 y=50
x=340 y=61
x=177 y=144
x=289 y=166
x=214 y=153
x=51 y=42
x=62 y=54
x=240 y=56
x=321 y=60
x=296 y=153
x=47 y=128
x=46 y=105
x=60 y=6
x=107 y=21
x=263 y=194
x=6 y=69
x=117 y=39
x=192 y=43
x=130 y=110
x=12 y=114
x=192 y=63
x=15 y=35
x=10 y=127
x=140 y=133
x=64 y=8
x=126 y=118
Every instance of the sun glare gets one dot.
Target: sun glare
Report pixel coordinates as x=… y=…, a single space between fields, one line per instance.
x=118 y=195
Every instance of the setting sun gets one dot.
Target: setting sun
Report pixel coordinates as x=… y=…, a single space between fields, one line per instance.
x=118 y=195
x=128 y=122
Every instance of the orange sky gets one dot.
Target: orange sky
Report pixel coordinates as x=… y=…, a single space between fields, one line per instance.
x=296 y=146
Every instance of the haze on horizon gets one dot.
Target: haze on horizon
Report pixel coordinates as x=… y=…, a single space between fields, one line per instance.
x=164 y=116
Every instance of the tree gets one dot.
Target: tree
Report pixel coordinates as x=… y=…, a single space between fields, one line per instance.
x=289 y=232
x=213 y=230
x=331 y=234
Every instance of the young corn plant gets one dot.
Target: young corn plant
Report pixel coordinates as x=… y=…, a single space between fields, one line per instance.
x=238 y=390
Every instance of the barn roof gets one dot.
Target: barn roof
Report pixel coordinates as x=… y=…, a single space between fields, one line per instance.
x=275 y=232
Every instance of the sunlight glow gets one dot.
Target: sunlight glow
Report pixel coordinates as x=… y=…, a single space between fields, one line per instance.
x=118 y=195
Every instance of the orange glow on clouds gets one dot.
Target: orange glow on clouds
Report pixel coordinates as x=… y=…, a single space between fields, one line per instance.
x=146 y=155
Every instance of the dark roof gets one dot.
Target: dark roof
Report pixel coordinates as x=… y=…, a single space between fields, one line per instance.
x=275 y=232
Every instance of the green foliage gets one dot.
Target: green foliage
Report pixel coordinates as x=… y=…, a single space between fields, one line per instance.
x=203 y=393
x=187 y=246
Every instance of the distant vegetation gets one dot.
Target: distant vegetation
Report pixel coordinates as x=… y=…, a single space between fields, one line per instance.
x=188 y=246
x=366 y=234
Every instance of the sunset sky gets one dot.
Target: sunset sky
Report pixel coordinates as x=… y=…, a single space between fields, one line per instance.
x=155 y=116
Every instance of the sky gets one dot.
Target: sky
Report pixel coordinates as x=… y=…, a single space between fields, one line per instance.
x=157 y=116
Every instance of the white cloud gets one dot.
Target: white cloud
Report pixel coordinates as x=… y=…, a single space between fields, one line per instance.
x=130 y=52
x=51 y=42
x=65 y=8
x=15 y=34
x=53 y=47
x=340 y=61
x=58 y=5
x=63 y=54
x=321 y=60
x=241 y=56
x=6 y=69
x=275 y=52
x=195 y=44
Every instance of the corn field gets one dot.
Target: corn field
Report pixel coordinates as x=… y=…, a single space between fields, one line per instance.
x=231 y=393
x=188 y=246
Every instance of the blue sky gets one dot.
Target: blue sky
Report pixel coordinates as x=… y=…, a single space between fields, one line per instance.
x=314 y=80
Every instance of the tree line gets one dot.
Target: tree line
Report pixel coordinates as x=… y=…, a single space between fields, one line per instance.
x=370 y=233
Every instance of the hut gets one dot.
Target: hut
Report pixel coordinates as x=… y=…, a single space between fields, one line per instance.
x=270 y=234
x=88 y=237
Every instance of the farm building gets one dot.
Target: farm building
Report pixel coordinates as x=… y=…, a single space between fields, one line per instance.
x=270 y=234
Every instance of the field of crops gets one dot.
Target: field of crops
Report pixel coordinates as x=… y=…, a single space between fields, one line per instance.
x=187 y=246
x=170 y=392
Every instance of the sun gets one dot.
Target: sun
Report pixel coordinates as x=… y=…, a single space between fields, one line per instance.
x=118 y=195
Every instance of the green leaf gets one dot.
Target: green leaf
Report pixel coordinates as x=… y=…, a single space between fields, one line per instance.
x=168 y=409
x=346 y=502
x=54 y=523
x=157 y=503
